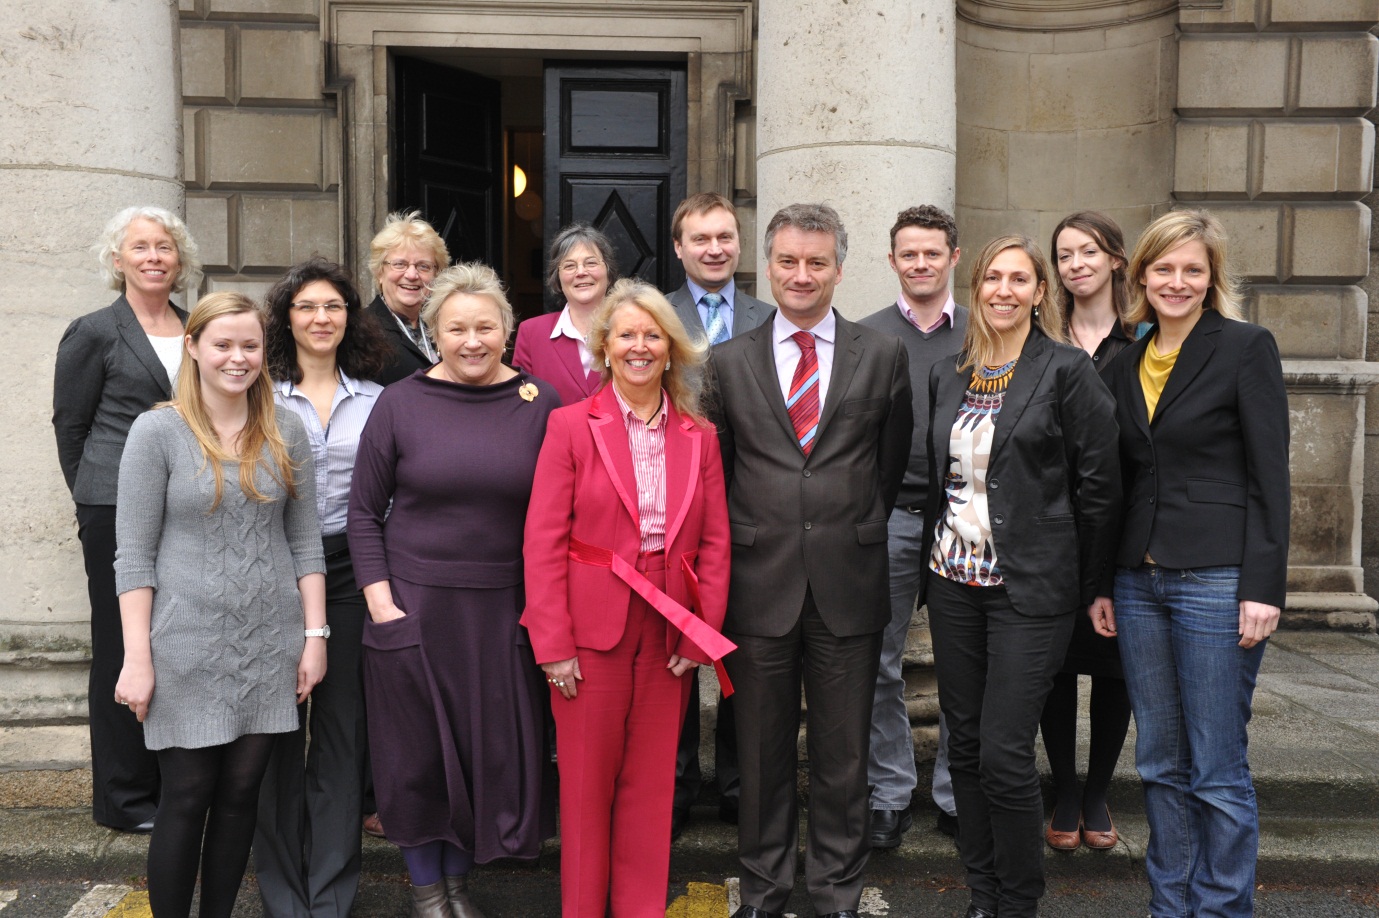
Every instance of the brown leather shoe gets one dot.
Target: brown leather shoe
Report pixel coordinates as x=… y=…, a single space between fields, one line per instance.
x=1100 y=841
x=1063 y=841
x=374 y=826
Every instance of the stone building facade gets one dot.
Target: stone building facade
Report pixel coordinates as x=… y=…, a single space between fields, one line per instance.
x=268 y=123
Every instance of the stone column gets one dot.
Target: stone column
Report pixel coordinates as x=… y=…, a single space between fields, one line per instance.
x=89 y=123
x=1272 y=138
x=855 y=108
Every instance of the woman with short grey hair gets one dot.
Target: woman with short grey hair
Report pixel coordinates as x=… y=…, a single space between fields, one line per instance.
x=580 y=269
x=112 y=365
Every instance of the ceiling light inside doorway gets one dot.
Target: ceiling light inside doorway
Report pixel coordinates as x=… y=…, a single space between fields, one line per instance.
x=519 y=181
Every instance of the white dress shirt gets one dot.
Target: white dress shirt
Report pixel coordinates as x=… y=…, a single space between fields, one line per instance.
x=788 y=352
x=566 y=326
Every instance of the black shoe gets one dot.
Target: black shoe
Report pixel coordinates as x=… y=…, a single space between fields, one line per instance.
x=845 y=913
x=678 y=820
x=947 y=824
x=974 y=912
x=888 y=827
x=727 y=810
x=751 y=911
x=143 y=828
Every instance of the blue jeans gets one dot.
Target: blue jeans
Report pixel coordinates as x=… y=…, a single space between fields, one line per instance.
x=1190 y=687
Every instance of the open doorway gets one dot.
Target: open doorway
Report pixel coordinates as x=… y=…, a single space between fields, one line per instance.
x=499 y=152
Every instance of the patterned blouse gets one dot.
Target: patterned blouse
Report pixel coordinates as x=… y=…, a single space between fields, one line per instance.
x=964 y=551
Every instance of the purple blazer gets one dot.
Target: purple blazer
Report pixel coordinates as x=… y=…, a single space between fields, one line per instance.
x=553 y=359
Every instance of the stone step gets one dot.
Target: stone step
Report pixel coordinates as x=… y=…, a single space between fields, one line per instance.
x=64 y=843
x=43 y=686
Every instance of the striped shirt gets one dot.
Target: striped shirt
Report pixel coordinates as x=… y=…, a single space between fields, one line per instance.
x=333 y=447
x=647 y=441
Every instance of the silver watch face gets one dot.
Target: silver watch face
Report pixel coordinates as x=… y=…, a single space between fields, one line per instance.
x=322 y=632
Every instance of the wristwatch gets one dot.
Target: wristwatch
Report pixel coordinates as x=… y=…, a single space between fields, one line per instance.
x=321 y=632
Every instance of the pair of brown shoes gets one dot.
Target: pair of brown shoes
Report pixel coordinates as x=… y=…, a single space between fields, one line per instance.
x=1070 y=841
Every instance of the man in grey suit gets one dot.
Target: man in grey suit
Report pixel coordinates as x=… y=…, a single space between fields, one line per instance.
x=924 y=252
x=708 y=243
x=814 y=418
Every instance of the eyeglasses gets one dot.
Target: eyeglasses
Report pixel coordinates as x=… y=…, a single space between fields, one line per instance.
x=424 y=268
x=573 y=267
x=310 y=309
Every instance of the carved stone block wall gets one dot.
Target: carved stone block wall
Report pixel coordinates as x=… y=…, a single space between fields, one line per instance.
x=262 y=153
x=1063 y=108
x=1272 y=137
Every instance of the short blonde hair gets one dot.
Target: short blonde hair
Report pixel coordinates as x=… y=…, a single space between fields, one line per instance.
x=406 y=228
x=475 y=279
x=112 y=237
x=684 y=376
x=980 y=344
x=1175 y=228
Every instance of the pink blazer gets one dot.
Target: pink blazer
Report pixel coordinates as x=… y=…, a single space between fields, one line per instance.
x=555 y=360
x=586 y=489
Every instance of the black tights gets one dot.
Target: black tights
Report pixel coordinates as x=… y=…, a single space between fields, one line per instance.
x=1110 y=716
x=222 y=781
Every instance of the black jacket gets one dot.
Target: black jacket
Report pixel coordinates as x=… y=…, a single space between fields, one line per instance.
x=406 y=358
x=1206 y=484
x=105 y=376
x=1053 y=477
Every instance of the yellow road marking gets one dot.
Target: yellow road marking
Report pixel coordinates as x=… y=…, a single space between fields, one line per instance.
x=133 y=905
x=704 y=900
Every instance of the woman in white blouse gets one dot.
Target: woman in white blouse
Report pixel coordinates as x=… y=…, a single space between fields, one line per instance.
x=323 y=351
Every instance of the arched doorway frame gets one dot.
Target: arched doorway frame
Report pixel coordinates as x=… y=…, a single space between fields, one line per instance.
x=715 y=37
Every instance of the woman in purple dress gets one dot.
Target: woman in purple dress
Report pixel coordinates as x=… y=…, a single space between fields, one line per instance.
x=455 y=700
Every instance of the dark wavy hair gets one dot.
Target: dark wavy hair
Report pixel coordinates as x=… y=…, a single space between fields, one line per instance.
x=363 y=350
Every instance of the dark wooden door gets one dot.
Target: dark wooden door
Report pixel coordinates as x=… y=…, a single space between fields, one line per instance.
x=615 y=158
x=449 y=148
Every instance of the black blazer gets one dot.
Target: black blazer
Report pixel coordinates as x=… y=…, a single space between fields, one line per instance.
x=1053 y=477
x=406 y=358
x=1206 y=483
x=106 y=375
x=816 y=521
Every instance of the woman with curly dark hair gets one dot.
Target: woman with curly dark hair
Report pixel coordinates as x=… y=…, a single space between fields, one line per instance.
x=323 y=352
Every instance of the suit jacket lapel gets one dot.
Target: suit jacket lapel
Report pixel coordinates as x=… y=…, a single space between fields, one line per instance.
x=952 y=387
x=137 y=341
x=683 y=444
x=568 y=349
x=1034 y=360
x=763 y=369
x=1196 y=350
x=746 y=313
x=610 y=438
x=1139 y=409
x=389 y=321
x=847 y=353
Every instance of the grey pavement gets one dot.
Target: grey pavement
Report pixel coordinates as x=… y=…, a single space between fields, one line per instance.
x=1314 y=751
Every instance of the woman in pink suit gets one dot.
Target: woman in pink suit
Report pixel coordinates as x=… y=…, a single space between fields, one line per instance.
x=627 y=558
x=554 y=347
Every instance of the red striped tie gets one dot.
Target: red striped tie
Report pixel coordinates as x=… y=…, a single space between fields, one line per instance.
x=803 y=401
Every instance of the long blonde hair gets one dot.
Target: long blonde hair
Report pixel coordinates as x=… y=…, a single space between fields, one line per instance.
x=982 y=343
x=261 y=427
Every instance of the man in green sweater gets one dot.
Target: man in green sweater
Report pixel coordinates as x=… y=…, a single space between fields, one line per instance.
x=924 y=251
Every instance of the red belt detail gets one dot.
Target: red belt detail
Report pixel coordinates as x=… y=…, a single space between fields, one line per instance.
x=714 y=645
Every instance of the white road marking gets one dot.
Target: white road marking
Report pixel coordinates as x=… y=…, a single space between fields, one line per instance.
x=872 y=903
x=100 y=900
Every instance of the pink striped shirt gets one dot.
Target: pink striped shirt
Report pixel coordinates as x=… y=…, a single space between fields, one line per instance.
x=647 y=441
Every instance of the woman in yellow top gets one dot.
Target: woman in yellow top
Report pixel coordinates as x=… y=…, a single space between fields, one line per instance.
x=1203 y=558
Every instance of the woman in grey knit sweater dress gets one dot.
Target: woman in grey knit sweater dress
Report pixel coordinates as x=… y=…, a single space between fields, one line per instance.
x=220 y=572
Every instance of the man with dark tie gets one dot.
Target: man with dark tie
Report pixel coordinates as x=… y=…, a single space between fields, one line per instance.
x=708 y=244
x=814 y=419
